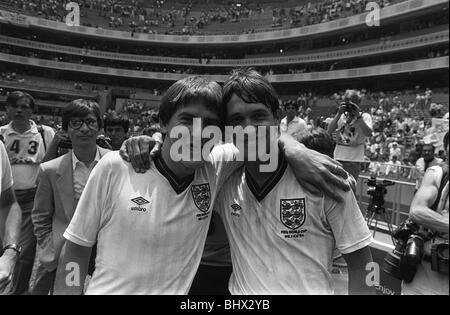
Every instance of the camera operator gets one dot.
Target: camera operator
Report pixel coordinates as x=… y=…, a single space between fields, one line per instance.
x=429 y=209
x=352 y=127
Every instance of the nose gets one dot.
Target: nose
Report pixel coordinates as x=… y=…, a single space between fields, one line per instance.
x=84 y=127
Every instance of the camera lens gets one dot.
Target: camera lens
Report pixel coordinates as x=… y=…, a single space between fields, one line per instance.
x=414 y=250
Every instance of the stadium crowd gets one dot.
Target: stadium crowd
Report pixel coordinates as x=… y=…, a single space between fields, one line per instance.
x=400 y=128
x=136 y=16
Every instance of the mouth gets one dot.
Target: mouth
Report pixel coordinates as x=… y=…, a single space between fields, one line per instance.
x=84 y=137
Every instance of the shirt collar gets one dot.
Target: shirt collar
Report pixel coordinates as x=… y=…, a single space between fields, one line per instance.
x=75 y=160
x=295 y=119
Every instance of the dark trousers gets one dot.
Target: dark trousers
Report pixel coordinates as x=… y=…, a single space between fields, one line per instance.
x=24 y=265
x=211 y=280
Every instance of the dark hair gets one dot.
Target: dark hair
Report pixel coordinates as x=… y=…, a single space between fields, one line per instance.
x=317 y=139
x=295 y=104
x=15 y=96
x=187 y=91
x=446 y=140
x=81 y=108
x=115 y=121
x=429 y=145
x=250 y=86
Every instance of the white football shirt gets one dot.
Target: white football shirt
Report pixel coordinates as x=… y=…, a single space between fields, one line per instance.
x=25 y=152
x=282 y=238
x=150 y=228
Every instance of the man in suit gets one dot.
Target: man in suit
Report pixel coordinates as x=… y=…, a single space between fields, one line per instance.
x=61 y=182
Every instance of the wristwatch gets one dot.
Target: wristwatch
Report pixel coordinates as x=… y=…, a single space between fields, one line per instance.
x=14 y=247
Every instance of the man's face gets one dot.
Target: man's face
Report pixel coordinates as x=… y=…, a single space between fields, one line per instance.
x=428 y=153
x=21 y=110
x=83 y=131
x=184 y=117
x=291 y=111
x=240 y=113
x=117 y=134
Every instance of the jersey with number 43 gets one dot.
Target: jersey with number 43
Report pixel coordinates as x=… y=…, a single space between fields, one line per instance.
x=25 y=152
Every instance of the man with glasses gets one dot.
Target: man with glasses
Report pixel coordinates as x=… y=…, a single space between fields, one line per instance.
x=61 y=183
x=26 y=144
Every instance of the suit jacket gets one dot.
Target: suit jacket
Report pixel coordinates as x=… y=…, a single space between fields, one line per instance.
x=54 y=206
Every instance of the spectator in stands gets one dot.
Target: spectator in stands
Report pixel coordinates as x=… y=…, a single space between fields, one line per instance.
x=395 y=151
x=393 y=166
x=61 y=182
x=292 y=123
x=26 y=144
x=426 y=161
x=416 y=154
x=116 y=128
x=350 y=128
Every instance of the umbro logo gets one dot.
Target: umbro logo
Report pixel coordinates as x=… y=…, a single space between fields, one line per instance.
x=140 y=201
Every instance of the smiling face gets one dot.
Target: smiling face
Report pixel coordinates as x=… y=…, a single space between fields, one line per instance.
x=185 y=116
x=240 y=113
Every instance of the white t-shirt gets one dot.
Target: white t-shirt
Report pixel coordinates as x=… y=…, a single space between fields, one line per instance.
x=282 y=239
x=6 y=179
x=150 y=228
x=350 y=140
x=25 y=152
x=296 y=124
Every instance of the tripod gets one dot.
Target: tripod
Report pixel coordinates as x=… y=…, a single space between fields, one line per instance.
x=377 y=213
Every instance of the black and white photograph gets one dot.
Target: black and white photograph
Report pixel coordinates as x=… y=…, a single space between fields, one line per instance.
x=224 y=152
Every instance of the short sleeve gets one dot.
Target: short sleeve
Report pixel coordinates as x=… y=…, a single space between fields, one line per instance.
x=6 y=179
x=91 y=212
x=224 y=160
x=347 y=223
x=49 y=134
x=367 y=119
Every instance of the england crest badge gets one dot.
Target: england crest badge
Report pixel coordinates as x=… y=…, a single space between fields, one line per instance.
x=202 y=196
x=293 y=212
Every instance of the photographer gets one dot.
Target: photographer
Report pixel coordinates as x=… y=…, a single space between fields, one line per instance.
x=352 y=129
x=429 y=209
